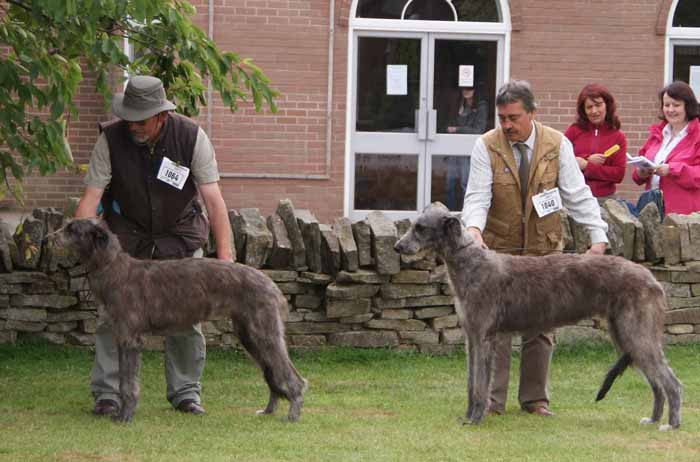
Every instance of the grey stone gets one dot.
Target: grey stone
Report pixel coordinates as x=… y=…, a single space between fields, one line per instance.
x=426 y=263
x=363 y=276
x=439 y=274
x=51 y=337
x=348 y=248
x=402 y=227
x=566 y=233
x=388 y=303
x=24 y=326
x=304 y=328
x=675 y=303
x=88 y=326
x=8 y=336
x=383 y=232
x=4 y=301
x=651 y=221
x=445 y=322
x=671 y=243
x=285 y=209
x=695 y=290
x=346 y=291
x=438 y=350
x=281 y=275
x=44 y=301
x=24 y=314
x=330 y=251
x=342 y=308
x=582 y=240
x=295 y=316
x=311 y=233
x=446 y=289
x=357 y=319
x=639 y=242
x=67 y=316
x=409 y=290
x=315 y=279
x=291 y=288
x=683 y=316
x=569 y=335
x=28 y=239
x=363 y=240
x=361 y=339
x=307 y=340
x=685 y=339
x=5 y=252
x=76 y=338
x=397 y=314
x=396 y=324
x=253 y=239
x=281 y=254
x=308 y=301
x=316 y=316
x=62 y=327
x=452 y=336
x=434 y=312
x=420 y=337
x=52 y=253
x=621 y=220
x=680 y=329
x=690 y=277
x=71 y=206
x=411 y=277
x=689 y=234
x=676 y=290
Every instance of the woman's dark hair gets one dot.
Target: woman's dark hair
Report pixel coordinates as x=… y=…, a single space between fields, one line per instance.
x=475 y=98
x=595 y=91
x=680 y=91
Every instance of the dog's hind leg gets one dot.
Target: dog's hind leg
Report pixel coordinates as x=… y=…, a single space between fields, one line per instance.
x=129 y=364
x=674 y=392
x=271 y=404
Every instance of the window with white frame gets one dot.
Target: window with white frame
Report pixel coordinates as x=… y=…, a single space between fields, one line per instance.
x=683 y=43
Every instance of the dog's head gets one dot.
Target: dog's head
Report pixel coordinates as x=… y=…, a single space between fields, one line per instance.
x=86 y=237
x=434 y=230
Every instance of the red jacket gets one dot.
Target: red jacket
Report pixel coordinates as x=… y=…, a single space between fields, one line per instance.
x=592 y=140
x=681 y=187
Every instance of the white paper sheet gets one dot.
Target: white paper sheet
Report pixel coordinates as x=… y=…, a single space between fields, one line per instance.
x=466 y=75
x=396 y=79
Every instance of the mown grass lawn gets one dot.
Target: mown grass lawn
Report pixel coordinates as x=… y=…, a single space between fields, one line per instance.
x=361 y=406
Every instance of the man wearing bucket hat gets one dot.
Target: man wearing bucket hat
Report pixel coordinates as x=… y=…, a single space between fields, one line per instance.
x=148 y=169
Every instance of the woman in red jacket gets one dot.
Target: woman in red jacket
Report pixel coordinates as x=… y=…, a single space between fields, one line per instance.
x=599 y=144
x=674 y=144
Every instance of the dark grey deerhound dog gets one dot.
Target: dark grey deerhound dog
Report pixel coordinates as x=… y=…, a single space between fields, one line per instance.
x=143 y=296
x=503 y=293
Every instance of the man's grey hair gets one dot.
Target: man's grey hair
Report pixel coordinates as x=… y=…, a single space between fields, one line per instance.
x=514 y=91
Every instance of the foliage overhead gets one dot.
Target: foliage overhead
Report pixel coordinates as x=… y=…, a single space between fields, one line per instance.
x=50 y=44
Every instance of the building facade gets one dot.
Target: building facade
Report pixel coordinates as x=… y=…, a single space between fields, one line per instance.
x=370 y=88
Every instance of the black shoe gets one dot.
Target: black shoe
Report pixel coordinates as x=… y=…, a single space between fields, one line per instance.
x=190 y=406
x=105 y=407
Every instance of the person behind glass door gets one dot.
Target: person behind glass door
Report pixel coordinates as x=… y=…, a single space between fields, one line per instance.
x=674 y=144
x=472 y=118
x=599 y=144
x=472 y=113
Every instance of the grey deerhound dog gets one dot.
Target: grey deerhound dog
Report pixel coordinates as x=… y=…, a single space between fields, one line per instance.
x=142 y=296
x=503 y=293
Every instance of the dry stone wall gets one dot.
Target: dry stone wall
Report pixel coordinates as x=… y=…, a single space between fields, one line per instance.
x=344 y=283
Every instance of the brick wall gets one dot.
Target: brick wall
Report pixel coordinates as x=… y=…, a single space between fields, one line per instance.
x=559 y=45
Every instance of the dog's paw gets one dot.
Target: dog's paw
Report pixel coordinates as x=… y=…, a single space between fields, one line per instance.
x=121 y=418
x=646 y=421
x=262 y=412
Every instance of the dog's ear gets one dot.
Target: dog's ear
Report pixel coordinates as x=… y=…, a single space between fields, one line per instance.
x=100 y=237
x=452 y=226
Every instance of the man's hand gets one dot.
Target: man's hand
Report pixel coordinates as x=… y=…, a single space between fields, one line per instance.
x=597 y=249
x=644 y=172
x=581 y=163
x=475 y=233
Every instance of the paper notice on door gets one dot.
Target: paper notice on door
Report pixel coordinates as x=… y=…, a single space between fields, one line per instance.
x=466 y=75
x=695 y=80
x=396 y=79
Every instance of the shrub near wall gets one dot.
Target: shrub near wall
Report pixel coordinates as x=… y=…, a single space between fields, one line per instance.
x=344 y=282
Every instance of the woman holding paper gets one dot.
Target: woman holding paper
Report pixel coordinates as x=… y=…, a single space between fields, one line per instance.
x=674 y=144
x=599 y=144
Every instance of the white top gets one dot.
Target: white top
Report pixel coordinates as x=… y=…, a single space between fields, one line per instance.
x=668 y=143
x=575 y=193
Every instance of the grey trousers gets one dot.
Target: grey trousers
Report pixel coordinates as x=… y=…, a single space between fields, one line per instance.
x=185 y=353
x=535 y=356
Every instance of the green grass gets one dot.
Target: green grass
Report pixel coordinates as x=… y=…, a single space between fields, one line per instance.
x=361 y=406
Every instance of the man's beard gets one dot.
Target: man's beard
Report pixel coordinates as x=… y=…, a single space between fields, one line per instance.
x=140 y=140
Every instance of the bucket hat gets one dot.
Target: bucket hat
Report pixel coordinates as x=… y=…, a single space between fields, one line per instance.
x=144 y=97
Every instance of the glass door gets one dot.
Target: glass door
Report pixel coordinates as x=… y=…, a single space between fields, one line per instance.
x=420 y=102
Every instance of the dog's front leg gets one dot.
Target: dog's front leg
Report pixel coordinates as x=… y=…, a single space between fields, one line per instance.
x=129 y=364
x=481 y=350
x=470 y=379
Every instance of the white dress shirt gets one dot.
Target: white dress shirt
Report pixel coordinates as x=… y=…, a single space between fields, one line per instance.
x=668 y=144
x=575 y=194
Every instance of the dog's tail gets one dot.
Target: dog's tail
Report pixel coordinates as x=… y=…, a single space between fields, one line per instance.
x=618 y=368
